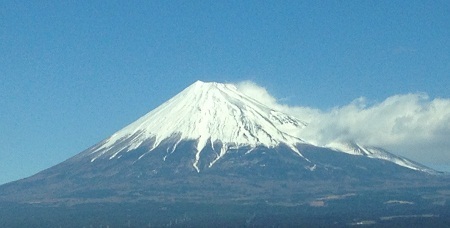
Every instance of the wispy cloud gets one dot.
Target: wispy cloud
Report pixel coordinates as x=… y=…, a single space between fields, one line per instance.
x=412 y=125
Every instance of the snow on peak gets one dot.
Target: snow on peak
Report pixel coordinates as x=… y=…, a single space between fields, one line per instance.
x=208 y=112
x=373 y=152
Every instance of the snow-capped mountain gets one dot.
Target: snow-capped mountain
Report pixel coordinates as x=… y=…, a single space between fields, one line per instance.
x=213 y=154
x=205 y=112
x=219 y=115
x=210 y=135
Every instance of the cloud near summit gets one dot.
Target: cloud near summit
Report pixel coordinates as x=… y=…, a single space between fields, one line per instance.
x=411 y=125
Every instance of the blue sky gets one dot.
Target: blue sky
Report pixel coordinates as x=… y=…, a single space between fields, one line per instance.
x=74 y=72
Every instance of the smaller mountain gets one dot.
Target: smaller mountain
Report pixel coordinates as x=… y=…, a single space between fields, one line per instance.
x=377 y=153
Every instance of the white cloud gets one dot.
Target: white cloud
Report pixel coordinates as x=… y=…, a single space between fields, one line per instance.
x=260 y=94
x=257 y=92
x=410 y=125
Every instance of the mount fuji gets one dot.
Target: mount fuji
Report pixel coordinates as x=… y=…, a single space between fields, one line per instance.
x=218 y=119
x=208 y=113
x=212 y=145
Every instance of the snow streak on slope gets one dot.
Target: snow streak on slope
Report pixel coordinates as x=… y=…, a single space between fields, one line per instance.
x=206 y=112
x=373 y=152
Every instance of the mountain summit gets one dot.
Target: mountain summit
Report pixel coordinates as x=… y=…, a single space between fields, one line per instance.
x=206 y=113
